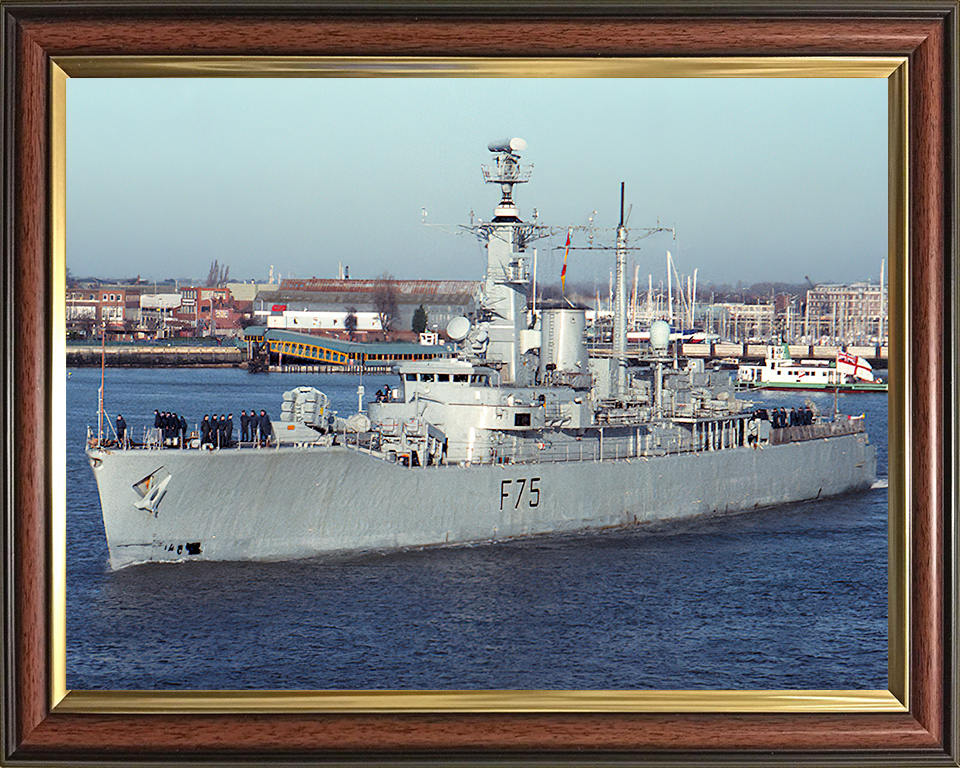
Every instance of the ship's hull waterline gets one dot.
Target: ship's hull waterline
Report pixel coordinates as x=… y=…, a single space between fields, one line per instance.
x=288 y=503
x=789 y=386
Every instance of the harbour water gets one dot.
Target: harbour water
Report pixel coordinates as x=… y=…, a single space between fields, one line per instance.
x=793 y=597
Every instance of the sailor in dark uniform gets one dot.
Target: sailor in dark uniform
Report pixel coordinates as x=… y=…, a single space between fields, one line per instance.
x=205 y=430
x=183 y=431
x=265 y=427
x=244 y=427
x=121 y=428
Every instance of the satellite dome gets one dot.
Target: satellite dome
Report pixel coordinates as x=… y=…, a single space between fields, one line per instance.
x=659 y=335
x=458 y=328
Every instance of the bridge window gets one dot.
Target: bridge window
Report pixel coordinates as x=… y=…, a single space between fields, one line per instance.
x=460 y=378
x=411 y=376
x=478 y=379
x=443 y=377
x=426 y=377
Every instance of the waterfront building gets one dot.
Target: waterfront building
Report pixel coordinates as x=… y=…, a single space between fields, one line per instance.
x=846 y=314
x=114 y=308
x=208 y=311
x=323 y=304
x=157 y=314
x=244 y=294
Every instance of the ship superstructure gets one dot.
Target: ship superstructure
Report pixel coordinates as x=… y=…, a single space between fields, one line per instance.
x=521 y=433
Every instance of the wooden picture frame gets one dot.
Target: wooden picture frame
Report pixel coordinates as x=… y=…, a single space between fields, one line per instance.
x=39 y=729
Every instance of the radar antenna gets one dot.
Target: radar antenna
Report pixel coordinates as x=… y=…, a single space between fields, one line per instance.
x=506 y=172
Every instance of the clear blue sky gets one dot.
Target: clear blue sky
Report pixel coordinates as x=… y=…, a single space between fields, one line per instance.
x=765 y=180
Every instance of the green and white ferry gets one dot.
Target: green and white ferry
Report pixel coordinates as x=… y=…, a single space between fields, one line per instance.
x=845 y=373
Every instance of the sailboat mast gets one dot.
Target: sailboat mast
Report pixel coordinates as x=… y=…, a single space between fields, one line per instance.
x=669 y=290
x=620 y=310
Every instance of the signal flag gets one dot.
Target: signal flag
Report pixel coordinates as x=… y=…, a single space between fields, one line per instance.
x=563 y=272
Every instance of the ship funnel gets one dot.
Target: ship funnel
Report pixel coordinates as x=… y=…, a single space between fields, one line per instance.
x=563 y=355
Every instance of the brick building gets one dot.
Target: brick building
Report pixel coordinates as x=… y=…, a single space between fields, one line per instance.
x=115 y=308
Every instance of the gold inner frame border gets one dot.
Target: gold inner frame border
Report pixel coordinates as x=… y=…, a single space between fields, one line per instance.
x=895 y=699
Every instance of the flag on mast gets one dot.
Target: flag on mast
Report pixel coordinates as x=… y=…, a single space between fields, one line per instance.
x=854 y=365
x=563 y=272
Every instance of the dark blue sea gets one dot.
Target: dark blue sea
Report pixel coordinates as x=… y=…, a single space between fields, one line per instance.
x=792 y=597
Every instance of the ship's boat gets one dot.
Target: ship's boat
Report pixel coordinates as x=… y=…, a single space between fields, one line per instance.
x=520 y=434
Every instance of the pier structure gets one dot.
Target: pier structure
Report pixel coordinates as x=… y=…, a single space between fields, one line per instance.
x=155 y=356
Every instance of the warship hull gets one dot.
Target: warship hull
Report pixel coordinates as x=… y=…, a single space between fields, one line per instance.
x=294 y=502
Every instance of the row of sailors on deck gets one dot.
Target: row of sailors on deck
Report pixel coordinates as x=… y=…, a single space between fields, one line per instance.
x=218 y=432
x=780 y=417
x=171 y=427
x=254 y=428
x=215 y=431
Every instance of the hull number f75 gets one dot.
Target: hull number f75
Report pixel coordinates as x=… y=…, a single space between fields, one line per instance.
x=520 y=490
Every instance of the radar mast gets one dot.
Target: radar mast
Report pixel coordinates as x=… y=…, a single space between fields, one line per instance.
x=506 y=172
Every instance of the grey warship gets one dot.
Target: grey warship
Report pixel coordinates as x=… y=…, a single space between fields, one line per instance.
x=522 y=433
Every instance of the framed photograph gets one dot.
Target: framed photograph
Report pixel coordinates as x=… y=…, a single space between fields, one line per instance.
x=186 y=716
